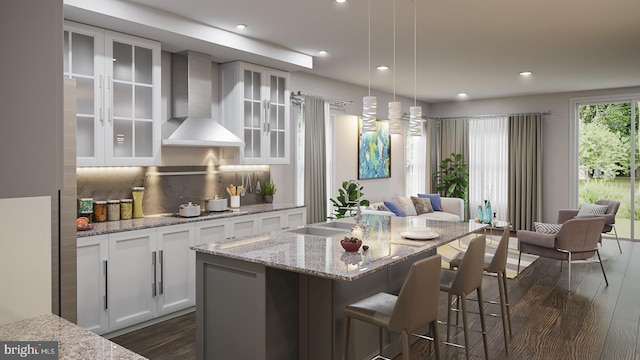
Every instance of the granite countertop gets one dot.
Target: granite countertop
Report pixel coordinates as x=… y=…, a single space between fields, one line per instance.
x=158 y=220
x=73 y=341
x=323 y=256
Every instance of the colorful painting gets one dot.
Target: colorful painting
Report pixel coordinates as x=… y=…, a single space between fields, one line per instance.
x=374 y=152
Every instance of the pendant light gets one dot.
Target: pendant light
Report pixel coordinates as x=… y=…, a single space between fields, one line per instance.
x=395 y=107
x=369 y=103
x=415 y=112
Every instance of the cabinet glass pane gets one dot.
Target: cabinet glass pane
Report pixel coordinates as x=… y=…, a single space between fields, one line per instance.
x=273 y=86
x=66 y=53
x=281 y=110
x=84 y=137
x=122 y=61
x=281 y=90
x=122 y=138
x=122 y=100
x=144 y=103
x=247 y=84
x=144 y=65
x=273 y=117
x=248 y=114
x=82 y=54
x=281 y=144
x=256 y=143
x=274 y=144
x=256 y=115
x=248 y=144
x=144 y=139
x=256 y=86
x=84 y=96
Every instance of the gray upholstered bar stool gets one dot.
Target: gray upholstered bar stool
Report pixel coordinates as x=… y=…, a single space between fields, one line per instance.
x=497 y=264
x=415 y=306
x=461 y=283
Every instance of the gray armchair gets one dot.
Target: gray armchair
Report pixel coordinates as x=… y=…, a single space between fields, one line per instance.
x=610 y=214
x=576 y=240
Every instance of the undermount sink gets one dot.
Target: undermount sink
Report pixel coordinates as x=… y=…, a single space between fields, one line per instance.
x=338 y=225
x=317 y=231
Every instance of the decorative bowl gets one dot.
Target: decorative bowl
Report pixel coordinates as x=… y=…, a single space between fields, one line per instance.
x=350 y=246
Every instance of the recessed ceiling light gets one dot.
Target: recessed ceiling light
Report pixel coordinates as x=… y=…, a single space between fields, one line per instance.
x=341 y=1
x=462 y=95
x=383 y=67
x=241 y=26
x=323 y=52
x=526 y=73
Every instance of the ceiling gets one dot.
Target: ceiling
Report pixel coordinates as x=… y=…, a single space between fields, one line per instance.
x=470 y=46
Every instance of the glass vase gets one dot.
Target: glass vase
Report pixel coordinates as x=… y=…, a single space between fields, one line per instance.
x=487 y=212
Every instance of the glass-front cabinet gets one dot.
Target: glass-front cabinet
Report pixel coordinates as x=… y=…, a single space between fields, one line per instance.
x=255 y=106
x=118 y=96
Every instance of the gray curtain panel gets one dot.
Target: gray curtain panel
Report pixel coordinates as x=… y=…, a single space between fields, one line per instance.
x=525 y=170
x=315 y=170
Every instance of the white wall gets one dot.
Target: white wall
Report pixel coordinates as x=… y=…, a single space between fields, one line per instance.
x=346 y=140
x=556 y=135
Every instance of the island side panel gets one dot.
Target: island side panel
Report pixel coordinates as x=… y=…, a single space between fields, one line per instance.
x=230 y=309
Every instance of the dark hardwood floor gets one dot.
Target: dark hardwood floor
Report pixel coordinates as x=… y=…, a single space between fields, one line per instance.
x=593 y=321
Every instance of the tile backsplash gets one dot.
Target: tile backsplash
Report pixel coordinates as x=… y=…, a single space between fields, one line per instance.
x=166 y=188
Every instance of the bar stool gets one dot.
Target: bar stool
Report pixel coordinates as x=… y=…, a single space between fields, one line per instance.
x=415 y=306
x=461 y=283
x=497 y=264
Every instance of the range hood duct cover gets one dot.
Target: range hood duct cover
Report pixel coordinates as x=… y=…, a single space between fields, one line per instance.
x=192 y=124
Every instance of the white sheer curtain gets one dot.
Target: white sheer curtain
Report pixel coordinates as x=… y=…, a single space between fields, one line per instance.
x=489 y=164
x=415 y=163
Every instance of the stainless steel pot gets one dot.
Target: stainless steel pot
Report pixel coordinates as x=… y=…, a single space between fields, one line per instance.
x=215 y=204
x=189 y=210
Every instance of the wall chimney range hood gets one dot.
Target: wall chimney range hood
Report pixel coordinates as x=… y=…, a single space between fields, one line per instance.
x=192 y=124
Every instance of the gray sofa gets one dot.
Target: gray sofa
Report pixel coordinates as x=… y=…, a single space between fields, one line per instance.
x=452 y=210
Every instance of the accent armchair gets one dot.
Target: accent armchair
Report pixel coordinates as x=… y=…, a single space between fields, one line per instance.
x=610 y=214
x=576 y=240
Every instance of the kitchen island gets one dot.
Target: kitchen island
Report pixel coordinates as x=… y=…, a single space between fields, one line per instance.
x=281 y=295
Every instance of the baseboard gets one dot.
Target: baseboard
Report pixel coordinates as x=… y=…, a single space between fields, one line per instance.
x=148 y=323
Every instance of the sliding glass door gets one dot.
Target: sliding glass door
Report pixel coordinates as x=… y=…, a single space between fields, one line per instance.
x=609 y=159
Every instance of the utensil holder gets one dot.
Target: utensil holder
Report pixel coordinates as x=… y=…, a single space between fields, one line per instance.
x=235 y=201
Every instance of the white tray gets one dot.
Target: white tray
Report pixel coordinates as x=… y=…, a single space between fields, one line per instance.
x=419 y=235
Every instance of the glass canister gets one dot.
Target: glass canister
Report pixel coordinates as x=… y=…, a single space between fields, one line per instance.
x=126 y=209
x=137 y=192
x=100 y=211
x=113 y=210
x=85 y=205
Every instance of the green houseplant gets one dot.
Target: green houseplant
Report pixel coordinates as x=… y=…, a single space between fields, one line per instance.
x=348 y=197
x=268 y=190
x=452 y=177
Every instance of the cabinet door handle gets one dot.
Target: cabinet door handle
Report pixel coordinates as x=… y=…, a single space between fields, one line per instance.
x=101 y=99
x=106 y=284
x=161 y=260
x=153 y=282
x=110 y=116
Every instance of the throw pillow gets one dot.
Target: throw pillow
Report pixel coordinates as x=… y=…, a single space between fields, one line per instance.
x=422 y=205
x=589 y=210
x=546 y=228
x=379 y=207
x=436 y=203
x=407 y=205
x=395 y=208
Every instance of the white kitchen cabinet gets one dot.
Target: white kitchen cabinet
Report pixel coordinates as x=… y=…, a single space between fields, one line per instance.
x=255 y=106
x=226 y=228
x=176 y=268
x=92 y=283
x=132 y=277
x=280 y=220
x=118 y=96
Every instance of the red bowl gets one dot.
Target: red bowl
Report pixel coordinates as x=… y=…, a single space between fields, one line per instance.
x=350 y=246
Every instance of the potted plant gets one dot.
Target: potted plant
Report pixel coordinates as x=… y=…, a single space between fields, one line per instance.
x=268 y=191
x=350 y=195
x=452 y=178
